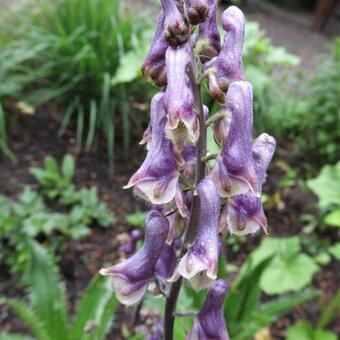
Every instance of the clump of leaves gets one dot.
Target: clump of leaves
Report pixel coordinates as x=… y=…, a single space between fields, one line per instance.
x=29 y=218
x=46 y=315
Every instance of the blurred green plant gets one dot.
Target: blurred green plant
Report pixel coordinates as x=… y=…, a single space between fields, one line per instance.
x=136 y=219
x=319 y=128
x=326 y=186
x=29 y=218
x=303 y=330
x=47 y=315
x=71 y=50
x=3 y=136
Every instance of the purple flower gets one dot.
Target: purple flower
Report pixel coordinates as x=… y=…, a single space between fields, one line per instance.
x=157 y=178
x=178 y=97
x=131 y=278
x=199 y=264
x=130 y=247
x=176 y=28
x=208 y=41
x=209 y=323
x=228 y=65
x=197 y=10
x=153 y=68
x=234 y=172
x=245 y=212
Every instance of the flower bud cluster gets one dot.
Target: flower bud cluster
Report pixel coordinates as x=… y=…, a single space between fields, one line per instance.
x=229 y=192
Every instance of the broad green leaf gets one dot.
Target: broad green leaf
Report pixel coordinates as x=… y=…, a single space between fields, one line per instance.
x=335 y=250
x=285 y=274
x=327 y=185
x=321 y=334
x=300 y=331
x=333 y=218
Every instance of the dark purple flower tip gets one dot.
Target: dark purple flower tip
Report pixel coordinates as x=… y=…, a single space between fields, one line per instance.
x=199 y=264
x=153 y=68
x=234 y=172
x=131 y=278
x=263 y=151
x=176 y=28
x=228 y=65
x=208 y=41
x=157 y=178
x=178 y=97
x=246 y=215
x=196 y=10
x=210 y=323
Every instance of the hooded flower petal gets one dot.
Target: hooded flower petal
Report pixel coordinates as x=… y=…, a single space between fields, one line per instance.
x=208 y=41
x=197 y=10
x=178 y=97
x=199 y=264
x=228 y=66
x=234 y=172
x=131 y=278
x=245 y=212
x=176 y=27
x=210 y=324
x=157 y=178
x=153 y=68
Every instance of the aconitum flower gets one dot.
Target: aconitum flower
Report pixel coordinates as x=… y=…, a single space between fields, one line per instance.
x=199 y=264
x=245 y=212
x=178 y=97
x=228 y=65
x=157 y=178
x=234 y=172
x=153 y=68
x=209 y=323
x=176 y=28
x=196 y=10
x=208 y=41
x=130 y=247
x=131 y=277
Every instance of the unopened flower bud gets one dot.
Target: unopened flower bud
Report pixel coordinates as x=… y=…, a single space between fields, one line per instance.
x=197 y=10
x=209 y=323
x=176 y=28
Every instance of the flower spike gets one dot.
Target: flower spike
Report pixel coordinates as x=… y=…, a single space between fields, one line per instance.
x=157 y=178
x=131 y=278
x=209 y=323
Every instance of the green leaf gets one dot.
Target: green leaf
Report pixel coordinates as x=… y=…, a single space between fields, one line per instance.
x=67 y=167
x=335 y=250
x=327 y=185
x=7 y=336
x=136 y=219
x=285 y=274
x=333 y=218
x=92 y=306
x=331 y=312
x=46 y=296
x=300 y=331
x=26 y=314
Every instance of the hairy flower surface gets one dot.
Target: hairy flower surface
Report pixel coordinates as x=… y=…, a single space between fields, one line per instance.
x=157 y=178
x=153 y=68
x=131 y=278
x=234 y=172
x=176 y=28
x=210 y=324
x=228 y=66
x=199 y=264
x=208 y=40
